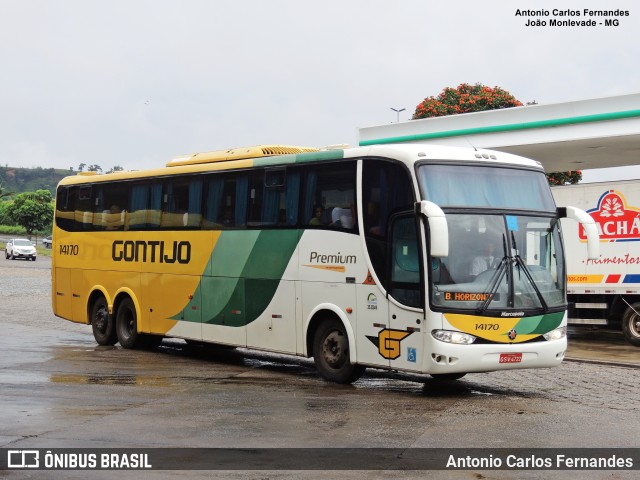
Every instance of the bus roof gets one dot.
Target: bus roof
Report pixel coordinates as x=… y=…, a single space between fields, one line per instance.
x=275 y=155
x=238 y=154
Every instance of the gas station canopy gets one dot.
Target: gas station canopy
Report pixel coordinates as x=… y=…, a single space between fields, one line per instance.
x=585 y=134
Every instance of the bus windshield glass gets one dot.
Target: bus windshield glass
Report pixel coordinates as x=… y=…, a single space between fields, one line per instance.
x=500 y=262
x=485 y=187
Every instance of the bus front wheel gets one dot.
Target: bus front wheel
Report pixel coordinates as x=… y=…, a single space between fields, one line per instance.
x=102 y=324
x=331 y=353
x=631 y=324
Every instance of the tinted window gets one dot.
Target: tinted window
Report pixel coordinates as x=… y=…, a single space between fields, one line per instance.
x=386 y=189
x=330 y=196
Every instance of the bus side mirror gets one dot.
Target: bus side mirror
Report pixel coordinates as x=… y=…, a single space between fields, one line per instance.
x=438 y=228
x=589 y=225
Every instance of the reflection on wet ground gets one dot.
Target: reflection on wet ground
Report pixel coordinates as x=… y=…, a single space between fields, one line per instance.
x=176 y=363
x=225 y=366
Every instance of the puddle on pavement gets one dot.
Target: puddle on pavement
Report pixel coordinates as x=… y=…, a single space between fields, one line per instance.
x=140 y=380
x=240 y=366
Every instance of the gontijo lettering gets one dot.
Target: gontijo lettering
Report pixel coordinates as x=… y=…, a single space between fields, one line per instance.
x=151 y=251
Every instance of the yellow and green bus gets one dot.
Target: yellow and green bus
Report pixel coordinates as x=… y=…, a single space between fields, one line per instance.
x=435 y=260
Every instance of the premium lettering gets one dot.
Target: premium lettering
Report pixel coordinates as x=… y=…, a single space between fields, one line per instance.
x=154 y=251
x=315 y=257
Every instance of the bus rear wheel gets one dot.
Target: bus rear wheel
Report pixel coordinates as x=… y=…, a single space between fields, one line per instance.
x=631 y=324
x=127 y=324
x=127 y=328
x=331 y=353
x=102 y=323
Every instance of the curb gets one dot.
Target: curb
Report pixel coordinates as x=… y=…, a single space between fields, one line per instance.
x=609 y=363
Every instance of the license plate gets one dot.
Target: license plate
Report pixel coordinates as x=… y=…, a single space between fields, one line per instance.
x=510 y=357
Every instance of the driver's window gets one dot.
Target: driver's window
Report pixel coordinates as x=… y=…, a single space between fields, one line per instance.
x=405 y=262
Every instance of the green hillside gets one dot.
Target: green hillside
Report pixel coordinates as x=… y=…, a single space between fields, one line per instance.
x=18 y=180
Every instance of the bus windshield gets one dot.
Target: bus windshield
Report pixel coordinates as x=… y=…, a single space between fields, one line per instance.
x=485 y=187
x=500 y=262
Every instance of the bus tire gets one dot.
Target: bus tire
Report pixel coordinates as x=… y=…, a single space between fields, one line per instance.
x=127 y=324
x=102 y=324
x=331 y=353
x=447 y=376
x=631 y=324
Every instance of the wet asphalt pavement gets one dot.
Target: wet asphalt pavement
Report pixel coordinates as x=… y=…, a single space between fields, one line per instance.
x=59 y=389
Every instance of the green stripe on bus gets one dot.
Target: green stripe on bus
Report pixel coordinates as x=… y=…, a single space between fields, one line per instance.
x=539 y=324
x=245 y=274
x=299 y=158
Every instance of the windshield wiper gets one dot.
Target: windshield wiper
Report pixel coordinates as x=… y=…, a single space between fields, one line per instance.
x=496 y=278
x=527 y=273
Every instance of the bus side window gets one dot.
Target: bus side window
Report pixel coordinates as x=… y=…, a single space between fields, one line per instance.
x=254 y=200
x=405 y=262
x=110 y=206
x=84 y=209
x=65 y=208
x=183 y=205
x=281 y=197
x=225 y=203
x=330 y=188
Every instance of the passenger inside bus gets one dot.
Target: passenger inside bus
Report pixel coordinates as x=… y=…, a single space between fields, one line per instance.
x=342 y=217
x=318 y=215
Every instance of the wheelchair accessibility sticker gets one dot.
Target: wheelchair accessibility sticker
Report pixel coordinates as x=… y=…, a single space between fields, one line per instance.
x=412 y=355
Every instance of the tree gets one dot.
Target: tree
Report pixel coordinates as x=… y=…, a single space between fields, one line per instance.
x=476 y=98
x=94 y=168
x=3 y=192
x=81 y=167
x=4 y=218
x=562 y=178
x=464 y=99
x=117 y=168
x=32 y=210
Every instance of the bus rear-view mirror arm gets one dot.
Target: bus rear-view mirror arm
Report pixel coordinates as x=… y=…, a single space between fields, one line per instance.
x=438 y=229
x=589 y=225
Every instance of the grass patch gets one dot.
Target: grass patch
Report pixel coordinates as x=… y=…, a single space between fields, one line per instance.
x=12 y=230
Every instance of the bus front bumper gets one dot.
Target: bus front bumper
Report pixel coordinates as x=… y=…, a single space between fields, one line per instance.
x=452 y=358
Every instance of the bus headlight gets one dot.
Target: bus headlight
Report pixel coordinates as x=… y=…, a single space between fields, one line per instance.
x=556 y=334
x=449 y=336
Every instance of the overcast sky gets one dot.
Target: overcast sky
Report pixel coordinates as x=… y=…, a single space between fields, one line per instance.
x=137 y=82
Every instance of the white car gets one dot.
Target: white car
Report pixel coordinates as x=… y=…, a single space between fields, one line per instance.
x=20 y=248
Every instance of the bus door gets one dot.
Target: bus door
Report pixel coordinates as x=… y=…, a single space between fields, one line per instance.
x=404 y=340
x=373 y=324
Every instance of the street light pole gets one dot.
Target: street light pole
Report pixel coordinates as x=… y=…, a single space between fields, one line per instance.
x=398 y=113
